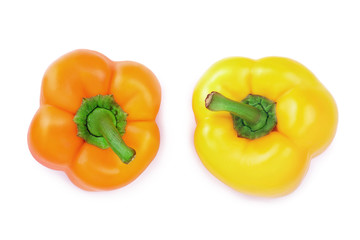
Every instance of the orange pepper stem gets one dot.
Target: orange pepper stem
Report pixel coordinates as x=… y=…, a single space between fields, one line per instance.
x=218 y=102
x=253 y=117
x=101 y=122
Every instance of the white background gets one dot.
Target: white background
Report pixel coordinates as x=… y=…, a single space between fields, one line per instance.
x=176 y=197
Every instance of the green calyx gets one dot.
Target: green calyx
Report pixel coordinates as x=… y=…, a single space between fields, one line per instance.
x=253 y=117
x=101 y=122
x=266 y=122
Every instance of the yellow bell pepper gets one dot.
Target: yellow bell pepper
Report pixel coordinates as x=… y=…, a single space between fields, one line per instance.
x=261 y=123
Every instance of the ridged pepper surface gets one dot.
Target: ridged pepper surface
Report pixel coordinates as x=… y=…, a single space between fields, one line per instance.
x=260 y=122
x=96 y=120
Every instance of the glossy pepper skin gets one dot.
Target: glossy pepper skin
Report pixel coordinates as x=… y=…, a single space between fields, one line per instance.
x=272 y=165
x=52 y=136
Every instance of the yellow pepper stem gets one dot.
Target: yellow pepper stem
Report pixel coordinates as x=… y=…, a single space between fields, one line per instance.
x=253 y=117
x=218 y=102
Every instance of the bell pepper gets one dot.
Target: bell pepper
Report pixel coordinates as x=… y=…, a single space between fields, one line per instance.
x=260 y=122
x=96 y=120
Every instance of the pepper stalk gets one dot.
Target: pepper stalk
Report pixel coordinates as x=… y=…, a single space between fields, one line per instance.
x=101 y=122
x=253 y=117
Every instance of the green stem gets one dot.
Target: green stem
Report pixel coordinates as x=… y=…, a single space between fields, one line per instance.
x=253 y=117
x=101 y=122
x=217 y=102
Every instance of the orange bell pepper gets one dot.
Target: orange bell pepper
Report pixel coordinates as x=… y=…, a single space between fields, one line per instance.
x=96 y=120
